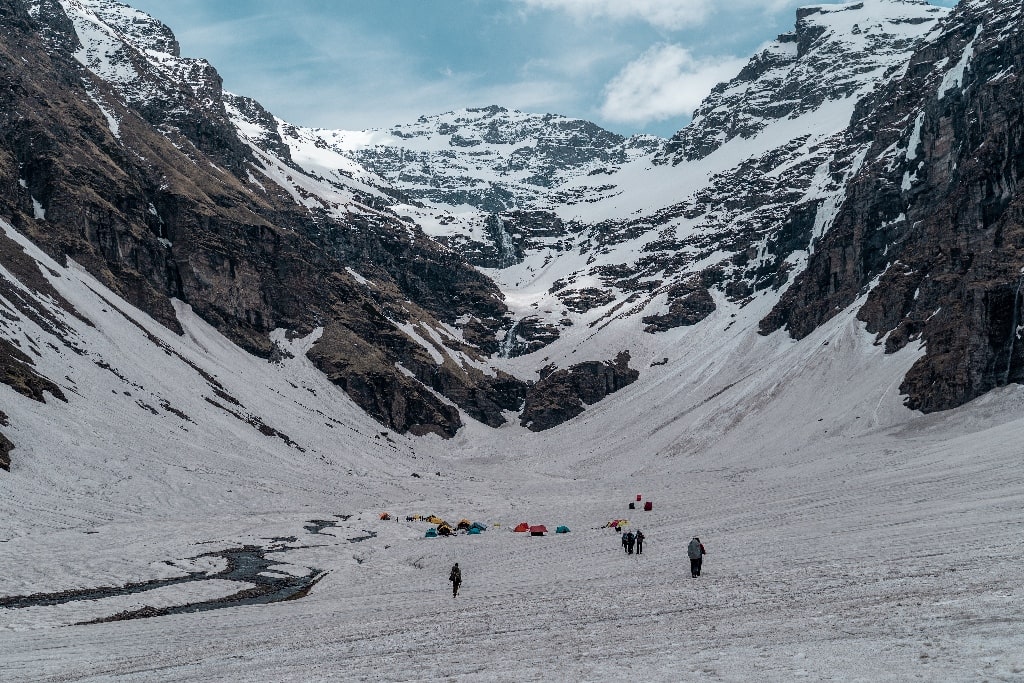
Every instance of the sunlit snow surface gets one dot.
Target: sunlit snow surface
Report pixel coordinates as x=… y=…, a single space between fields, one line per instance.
x=848 y=538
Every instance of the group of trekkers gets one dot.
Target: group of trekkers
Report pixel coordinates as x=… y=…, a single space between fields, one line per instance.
x=694 y=549
x=631 y=540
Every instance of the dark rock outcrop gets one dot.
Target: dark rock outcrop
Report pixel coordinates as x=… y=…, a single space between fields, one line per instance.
x=6 y=446
x=936 y=215
x=561 y=395
x=17 y=373
x=146 y=183
x=527 y=335
x=688 y=303
x=5 y=452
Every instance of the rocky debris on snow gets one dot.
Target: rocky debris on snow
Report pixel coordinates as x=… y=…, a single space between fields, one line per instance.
x=509 y=236
x=688 y=304
x=17 y=373
x=248 y=564
x=527 y=335
x=6 y=446
x=583 y=300
x=561 y=395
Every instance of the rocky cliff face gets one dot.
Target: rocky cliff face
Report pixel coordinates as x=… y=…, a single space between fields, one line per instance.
x=123 y=157
x=834 y=52
x=931 y=226
x=774 y=149
x=561 y=395
x=873 y=152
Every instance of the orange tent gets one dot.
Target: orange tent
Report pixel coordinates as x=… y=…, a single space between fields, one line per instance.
x=523 y=526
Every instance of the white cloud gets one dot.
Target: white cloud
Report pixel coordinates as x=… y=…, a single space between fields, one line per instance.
x=672 y=14
x=665 y=14
x=665 y=82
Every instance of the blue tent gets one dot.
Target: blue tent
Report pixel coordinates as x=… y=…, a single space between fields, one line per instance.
x=562 y=530
x=479 y=525
x=431 y=533
x=474 y=530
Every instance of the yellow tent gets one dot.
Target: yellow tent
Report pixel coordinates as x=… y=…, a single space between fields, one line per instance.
x=434 y=519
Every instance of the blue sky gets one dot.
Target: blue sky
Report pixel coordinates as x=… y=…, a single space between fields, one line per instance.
x=628 y=65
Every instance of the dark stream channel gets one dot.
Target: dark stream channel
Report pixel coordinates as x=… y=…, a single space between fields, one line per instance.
x=246 y=564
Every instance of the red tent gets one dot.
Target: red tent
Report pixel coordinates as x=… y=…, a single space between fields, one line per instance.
x=538 y=530
x=523 y=526
x=648 y=506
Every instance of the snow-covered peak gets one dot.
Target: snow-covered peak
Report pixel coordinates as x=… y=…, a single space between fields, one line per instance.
x=835 y=52
x=136 y=54
x=491 y=158
x=134 y=26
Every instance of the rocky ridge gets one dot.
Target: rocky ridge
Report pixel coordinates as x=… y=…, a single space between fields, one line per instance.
x=825 y=160
x=930 y=228
x=133 y=168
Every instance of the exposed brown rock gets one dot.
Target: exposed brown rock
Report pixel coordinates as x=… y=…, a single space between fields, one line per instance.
x=166 y=209
x=6 y=446
x=561 y=395
x=16 y=372
x=941 y=225
x=688 y=303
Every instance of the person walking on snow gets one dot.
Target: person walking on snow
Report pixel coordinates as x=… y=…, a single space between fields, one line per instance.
x=639 y=542
x=695 y=551
x=625 y=541
x=630 y=541
x=455 y=576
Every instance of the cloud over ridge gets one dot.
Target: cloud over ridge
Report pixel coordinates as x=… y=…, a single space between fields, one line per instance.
x=666 y=81
x=671 y=14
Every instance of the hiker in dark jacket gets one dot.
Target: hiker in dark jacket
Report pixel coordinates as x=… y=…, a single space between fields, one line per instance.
x=695 y=551
x=625 y=541
x=639 y=542
x=630 y=542
x=455 y=576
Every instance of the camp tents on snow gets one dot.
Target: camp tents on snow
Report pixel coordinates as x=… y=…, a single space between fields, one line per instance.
x=562 y=530
x=538 y=530
x=523 y=526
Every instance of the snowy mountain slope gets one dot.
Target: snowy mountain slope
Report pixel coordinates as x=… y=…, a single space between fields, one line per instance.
x=623 y=234
x=144 y=180
x=932 y=220
x=836 y=51
x=849 y=536
x=490 y=158
x=179 y=404
x=845 y=536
